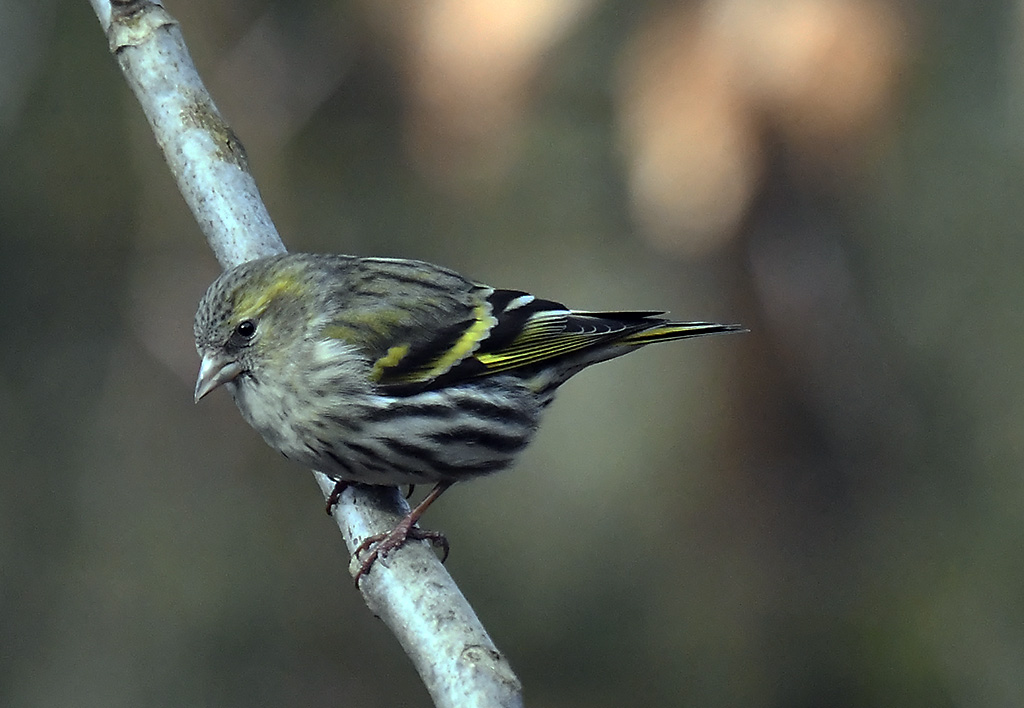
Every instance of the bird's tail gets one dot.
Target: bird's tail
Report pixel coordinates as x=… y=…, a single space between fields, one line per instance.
x=678 y=330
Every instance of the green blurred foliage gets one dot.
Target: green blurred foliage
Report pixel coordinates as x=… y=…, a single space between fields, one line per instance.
x=824 y=512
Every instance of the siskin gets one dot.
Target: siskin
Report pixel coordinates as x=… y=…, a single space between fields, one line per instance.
x=386 y=371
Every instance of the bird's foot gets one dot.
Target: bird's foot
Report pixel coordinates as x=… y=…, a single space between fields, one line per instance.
x=381 y=544
x=332 y=501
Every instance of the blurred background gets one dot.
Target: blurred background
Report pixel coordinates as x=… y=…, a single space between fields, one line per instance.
x=826 y=511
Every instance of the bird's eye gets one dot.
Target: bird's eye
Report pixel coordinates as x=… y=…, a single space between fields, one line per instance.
x=246 y=329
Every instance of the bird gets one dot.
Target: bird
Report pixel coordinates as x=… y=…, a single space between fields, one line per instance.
x=390 y=371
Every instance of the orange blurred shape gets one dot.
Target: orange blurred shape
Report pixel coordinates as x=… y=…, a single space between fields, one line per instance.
x=826 y=71
x=691 y=150
x=469 y=70
x=700 y=86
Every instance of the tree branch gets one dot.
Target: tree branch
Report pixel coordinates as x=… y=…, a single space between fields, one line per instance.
x=412 y=592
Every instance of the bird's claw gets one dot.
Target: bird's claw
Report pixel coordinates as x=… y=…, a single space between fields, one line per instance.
x=381 y=544
x=332 y=500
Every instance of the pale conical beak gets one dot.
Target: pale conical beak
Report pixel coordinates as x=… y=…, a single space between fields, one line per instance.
x=214 y=371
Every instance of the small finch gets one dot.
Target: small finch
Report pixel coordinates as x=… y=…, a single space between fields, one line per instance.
x=387 y=371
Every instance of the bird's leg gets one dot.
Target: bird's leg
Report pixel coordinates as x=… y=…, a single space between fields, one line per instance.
x=384 y=543
x=339 y=487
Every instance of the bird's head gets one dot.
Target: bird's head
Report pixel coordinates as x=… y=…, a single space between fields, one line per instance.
x=250 y=319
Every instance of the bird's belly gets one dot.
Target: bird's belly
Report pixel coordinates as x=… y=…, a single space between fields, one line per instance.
x=429 y=437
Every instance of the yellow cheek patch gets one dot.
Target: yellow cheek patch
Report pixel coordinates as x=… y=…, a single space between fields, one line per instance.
x=395 y=354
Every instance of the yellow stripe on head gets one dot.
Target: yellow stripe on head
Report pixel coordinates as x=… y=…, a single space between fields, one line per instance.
x=253 y=302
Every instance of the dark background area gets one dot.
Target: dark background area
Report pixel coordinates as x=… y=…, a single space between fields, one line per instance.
x=826 y=511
